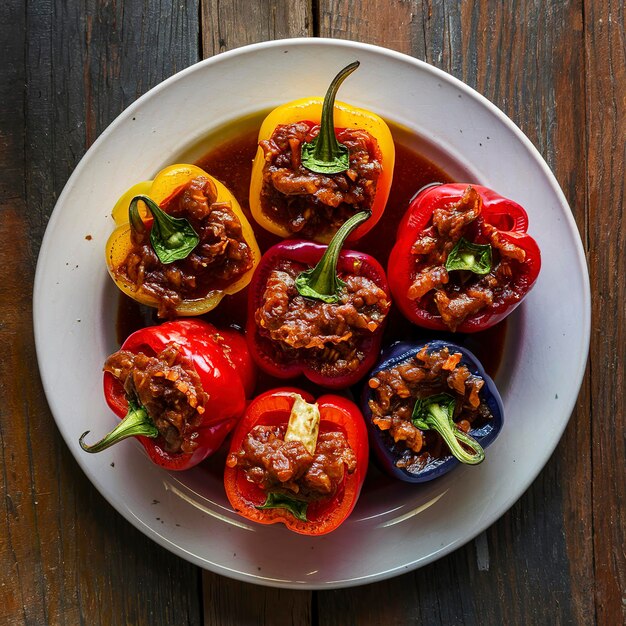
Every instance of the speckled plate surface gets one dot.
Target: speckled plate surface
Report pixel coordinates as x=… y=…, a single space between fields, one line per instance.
x=395 y=527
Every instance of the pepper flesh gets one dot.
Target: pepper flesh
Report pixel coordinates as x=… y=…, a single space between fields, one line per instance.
x=510 y=222
x=309 y=110
x=220 y=359
x=323 y=516
x=165 y=185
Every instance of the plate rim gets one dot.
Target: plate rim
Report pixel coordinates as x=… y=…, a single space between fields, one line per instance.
x=529 y=477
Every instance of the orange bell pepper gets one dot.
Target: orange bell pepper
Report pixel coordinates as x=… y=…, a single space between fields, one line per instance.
x=266 y=505
x=343 y=118
x=165 y=187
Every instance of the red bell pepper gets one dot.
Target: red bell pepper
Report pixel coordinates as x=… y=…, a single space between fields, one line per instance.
x=315 y=309
x=218 y=360
x=462 y=260
x=287 y=501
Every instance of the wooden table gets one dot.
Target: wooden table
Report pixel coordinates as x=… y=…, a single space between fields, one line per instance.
x=68 y=68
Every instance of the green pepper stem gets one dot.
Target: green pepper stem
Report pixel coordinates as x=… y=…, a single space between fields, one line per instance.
x=172 y=238
x=324 y=154
x=474 y=257
x=322 y=282
x=435 y=413
x=134 y=217
x=136 y=422
x=437 y=418
x=327 y=145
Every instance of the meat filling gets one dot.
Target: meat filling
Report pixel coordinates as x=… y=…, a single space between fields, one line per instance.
x=313 y=204
x=221 y=257
x=457 y=295
x=169 y=389
x=287 y=467
x=327 y=336
x=395 y=391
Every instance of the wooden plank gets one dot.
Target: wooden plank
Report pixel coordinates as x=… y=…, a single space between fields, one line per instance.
x=380 y=22
x=527 y=57
x=232 y=603
x=228 y=25
x=65 y=555
x=606 y=132
x=21 y=576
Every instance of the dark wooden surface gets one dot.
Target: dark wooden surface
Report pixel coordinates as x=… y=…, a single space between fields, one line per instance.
x=68 y=68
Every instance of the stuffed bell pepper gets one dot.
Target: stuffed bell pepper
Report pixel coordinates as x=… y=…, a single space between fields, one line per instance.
x=429 y=406
x=179 y=388
x=297 y=461
x=317 y=310
x=319 y=163
x=182 y=242
x=463 y=259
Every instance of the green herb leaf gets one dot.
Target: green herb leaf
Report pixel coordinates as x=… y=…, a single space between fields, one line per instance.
x=474 y=257
x=277 y=500
x=172 y=238
x=325 y=155
x=322 y=282
x=436 y=413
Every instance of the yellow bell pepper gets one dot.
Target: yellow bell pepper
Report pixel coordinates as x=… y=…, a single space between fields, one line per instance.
x=344 y=116
x=164 y=185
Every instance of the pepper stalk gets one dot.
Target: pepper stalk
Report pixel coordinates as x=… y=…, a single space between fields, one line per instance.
x=436 y=413
x=322 y=281
x=324 y=154
x=172 y=238
x=136 y=422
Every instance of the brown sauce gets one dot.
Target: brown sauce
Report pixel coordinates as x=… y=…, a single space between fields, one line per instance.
x=231 y=163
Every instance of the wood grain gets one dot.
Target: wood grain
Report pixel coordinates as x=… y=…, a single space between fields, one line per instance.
x=232 y=603
x=558 y=69
x=66 y=556
x=228 y=25
x=605 y=51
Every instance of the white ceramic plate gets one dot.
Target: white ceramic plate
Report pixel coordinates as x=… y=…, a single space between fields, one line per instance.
x=395 y=527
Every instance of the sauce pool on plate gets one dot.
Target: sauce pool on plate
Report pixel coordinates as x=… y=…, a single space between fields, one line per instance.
x=231 y=163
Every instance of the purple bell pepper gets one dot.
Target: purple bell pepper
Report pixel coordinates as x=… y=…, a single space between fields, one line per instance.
x=387 y=452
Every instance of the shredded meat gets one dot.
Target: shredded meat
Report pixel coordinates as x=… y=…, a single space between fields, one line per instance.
x=287 y=467
x=459 y=294
x=395 y=391
x=313 y=204
x=329 y=336
x=170 y=390
x=220 y=258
